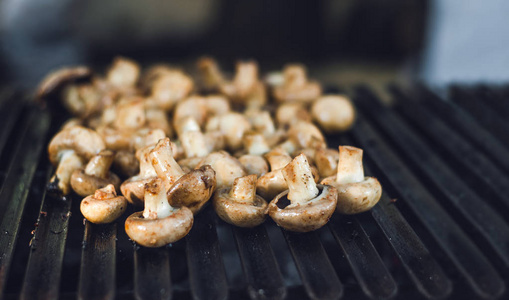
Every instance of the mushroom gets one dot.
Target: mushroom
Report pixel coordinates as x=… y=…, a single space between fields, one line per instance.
x=254 y=164
x=96 y=174
x=306 y=135
x=123 y=73
x=157 y=119
x=239 y=205
x=130 y=114
x=232 y=125
x=169 y=87
x=255 y=143
x=296 y=87
x=125 y=163
x=67 y=150
x=271 y=184
x=103 y=206
x=333 y=113
x=305 y=206
x=82 y=100
x=134 y=188
x=326 y=161
x=288 y=113
x=191 y=189
x=193 y=106
x=356 y=193
x=159 y=223
x=226 y=166
x=55 y=80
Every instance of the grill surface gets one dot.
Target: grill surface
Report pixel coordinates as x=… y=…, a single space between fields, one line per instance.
x=440 y=230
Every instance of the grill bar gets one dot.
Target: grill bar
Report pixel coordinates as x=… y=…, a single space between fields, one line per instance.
x=366 y=264
x=316 y=272
x=9 y=113
x=483 y=173
x=42 y=276
x=152 y=278
x=486 y=220
x=467 y=258
x=495 y=98
x=207 y=275
x=259 y=263
x=464 y=123
x=474 y=104
x=97 y=274
x=15 y=188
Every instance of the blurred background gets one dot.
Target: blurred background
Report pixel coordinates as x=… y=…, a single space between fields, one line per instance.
x=342 y=42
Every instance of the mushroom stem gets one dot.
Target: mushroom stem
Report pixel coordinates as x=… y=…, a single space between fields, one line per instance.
x=156 y=202
x=146 y=168
x=278 y=160
x=163 y=162
x=255 y=143
x=107 y=192
x=100 y=164
x=350 y=167
x=301 y=184
x=244 y=189
x=69 y=161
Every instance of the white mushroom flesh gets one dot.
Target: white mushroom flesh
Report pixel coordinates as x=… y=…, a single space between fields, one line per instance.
x=301 y=184
x=156 y=201
x=350 y=167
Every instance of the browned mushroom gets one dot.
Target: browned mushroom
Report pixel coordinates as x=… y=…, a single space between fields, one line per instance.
x=254 y=164
x=67 y=150
x=356 y=193
x=271 y=184
x=226 y=166
x=123 y=73
x=134 y=188
x=103 y=206
x=305 y=206
x=54 y=81
x=159 y=223
x=96 y=174
x=239 y=205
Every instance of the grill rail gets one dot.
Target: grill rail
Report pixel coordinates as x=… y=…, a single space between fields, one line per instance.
x=443 y=161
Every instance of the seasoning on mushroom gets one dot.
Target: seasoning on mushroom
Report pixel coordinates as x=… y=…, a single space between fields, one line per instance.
x=239 y=205
x=271 y=184
x=96 y=174
x=333 y=113
x=159 y=223
x=103 y=206
x=356 y=193
x=67 y=150
x=305 y=206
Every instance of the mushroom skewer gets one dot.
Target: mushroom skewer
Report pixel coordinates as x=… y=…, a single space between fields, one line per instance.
x=305 y=206
x=239 y=205
x=159 y=223
x=104 y=206
x=96 y=174
x=356 y=193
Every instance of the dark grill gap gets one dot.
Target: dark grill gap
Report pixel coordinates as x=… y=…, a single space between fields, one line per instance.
x=446 y=224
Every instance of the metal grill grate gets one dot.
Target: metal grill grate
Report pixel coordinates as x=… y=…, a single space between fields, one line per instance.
x=444 y=234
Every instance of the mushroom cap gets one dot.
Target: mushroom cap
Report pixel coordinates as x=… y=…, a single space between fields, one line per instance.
x=193 y=189
x=102 y=211
x=85 y=142
x=254 y=164
x=159 y=232
x=84 y=184
x=333 y=113
x=304 y=218
x=242 y=214
x=226 y=166
x=57 y=79
x=134 y=189
x=357 y=197
x=306 y=135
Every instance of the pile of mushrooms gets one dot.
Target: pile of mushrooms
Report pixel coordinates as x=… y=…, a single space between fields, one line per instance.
x=160 y=140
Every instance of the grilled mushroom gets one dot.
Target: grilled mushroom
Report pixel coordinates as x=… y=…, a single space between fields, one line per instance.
x=333 y=113
x=68 y=149
x=305 y=206
x=134 y=188
x=254 y=164
x=226 y=166
x=356 y=193
x=96 y=174
x=123 y=73
x=159 y=223
x=54 y=81
x=239 y=205
x=191 y=189
x=104 y=206
x=271 y=184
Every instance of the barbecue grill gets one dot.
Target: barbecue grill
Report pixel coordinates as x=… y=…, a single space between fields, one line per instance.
x=439 y=232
